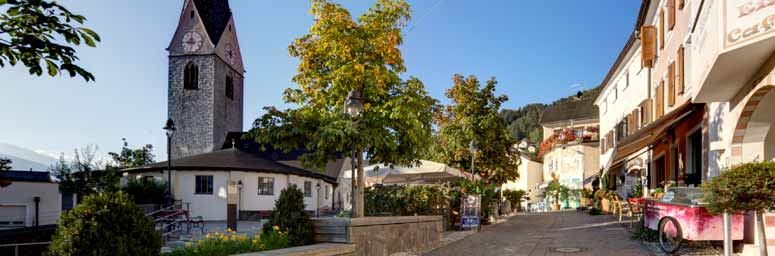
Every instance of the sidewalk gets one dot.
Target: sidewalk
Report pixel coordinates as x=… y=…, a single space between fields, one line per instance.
x=556 y=233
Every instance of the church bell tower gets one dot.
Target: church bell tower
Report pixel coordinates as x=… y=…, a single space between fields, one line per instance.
x=205 y=78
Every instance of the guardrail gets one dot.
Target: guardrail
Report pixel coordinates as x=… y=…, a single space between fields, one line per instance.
x=17 y=245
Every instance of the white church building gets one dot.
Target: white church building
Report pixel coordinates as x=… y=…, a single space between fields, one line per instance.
x=205 y=101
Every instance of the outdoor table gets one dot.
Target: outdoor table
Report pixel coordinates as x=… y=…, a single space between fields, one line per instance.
x=679 y=220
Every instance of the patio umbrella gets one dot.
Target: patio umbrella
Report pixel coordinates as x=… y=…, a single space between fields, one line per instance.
x=428 y=172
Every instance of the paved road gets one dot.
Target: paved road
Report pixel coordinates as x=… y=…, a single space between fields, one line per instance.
x=544 y=233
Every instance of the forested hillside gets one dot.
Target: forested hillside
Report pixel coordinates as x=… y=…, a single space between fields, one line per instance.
x=523 y=122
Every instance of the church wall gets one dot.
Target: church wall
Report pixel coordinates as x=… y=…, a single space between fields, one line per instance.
x=191 y=110
x=210 y=207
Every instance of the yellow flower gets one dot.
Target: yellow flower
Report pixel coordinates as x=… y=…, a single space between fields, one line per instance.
x=275 y=227
x=229 y=230
x=188 y=244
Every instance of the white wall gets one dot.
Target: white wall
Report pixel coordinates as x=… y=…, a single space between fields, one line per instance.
x=213 y=207
x=530 y=176
x=22 y=194
x=618 y=99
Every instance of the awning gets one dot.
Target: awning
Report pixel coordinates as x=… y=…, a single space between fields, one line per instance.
x=649 y=134
x=591 y=178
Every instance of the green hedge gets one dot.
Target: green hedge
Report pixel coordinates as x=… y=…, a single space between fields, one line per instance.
x=402 y=200
x=289 y=215
x=746 y=187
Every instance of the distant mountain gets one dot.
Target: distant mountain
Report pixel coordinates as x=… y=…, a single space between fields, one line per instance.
x=25 y=159
x=523 y=122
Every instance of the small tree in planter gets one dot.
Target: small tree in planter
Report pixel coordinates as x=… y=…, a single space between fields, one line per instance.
x=107 y=223
x=743 y=188
x=289 y=216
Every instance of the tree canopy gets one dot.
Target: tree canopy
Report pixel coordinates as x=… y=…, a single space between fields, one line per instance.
x=339 y=55
x=5 y=164
x=129 y=157
x=473 y=115
x=29 y=33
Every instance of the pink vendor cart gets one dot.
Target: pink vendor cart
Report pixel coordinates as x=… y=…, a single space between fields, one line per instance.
x=682 y=218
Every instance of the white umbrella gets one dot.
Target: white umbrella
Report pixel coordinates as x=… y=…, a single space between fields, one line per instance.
x=428 y=172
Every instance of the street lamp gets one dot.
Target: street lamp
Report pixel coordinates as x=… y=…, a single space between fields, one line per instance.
x=317 y=202
x=473 y=148
x=239 y=197
x=353 y=108
x=170 y=129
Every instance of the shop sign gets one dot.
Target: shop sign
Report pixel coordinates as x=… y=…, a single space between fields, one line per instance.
x=746 y=20
x=470 y=217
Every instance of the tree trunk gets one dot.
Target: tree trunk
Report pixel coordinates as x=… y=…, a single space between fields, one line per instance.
x=762 y=240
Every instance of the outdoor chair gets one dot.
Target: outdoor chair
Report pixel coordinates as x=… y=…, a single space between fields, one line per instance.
x=636 y=212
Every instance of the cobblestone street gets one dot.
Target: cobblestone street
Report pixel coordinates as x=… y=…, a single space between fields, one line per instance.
x=560 y=233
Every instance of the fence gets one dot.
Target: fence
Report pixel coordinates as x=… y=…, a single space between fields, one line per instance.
x=24 y=249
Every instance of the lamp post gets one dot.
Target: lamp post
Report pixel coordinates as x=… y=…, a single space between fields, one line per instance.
x=473 y=148
x=317 y=202
x=239 y=197
x=353 y=108
x=170 y=129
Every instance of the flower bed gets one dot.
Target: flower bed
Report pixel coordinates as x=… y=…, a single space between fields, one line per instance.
x=229 y=243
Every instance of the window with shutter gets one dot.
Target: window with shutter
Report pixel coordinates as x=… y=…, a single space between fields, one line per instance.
x=671 y=85
x=602 y=146
x=659 y=104
x=661 y=30
x=681 y=72
x=648 y=39
x=670 y=14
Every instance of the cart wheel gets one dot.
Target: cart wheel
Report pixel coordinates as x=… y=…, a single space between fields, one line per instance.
x=670 y=236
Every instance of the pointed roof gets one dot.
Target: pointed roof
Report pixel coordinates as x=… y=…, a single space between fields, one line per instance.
x=215 y=15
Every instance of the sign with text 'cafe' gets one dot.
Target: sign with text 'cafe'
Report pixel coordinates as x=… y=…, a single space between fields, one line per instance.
x=746 y=20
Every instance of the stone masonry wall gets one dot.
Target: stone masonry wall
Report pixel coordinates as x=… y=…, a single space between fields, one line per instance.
x=191 y=110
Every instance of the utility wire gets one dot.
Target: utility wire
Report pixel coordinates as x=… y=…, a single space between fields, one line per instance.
x=438 y=2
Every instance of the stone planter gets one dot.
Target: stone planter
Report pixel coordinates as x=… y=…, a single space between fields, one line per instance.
x=381 y=235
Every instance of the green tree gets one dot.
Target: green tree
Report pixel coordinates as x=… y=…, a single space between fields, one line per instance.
x=105 y=224
x=5 y=164
x=473 y=115
x=744 y=188
x=29 y=30
x=289 y=216
x=82 y=175
x=514 y=197
x=129 y=157
x=339 y=55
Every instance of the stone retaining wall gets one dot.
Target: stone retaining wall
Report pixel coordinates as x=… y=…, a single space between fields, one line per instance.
x=381 y=235
x=327 y=249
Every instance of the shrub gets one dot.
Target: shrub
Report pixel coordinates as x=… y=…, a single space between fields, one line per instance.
x=107 y=223
x=230 y=243
x=289 y=216
x=514 y=197
x=146 y=191
x=637 y=190
x=746 y=187
x=398 y=200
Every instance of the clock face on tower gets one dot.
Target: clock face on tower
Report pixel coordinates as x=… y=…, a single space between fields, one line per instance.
x=192 y=41
x=231 y=55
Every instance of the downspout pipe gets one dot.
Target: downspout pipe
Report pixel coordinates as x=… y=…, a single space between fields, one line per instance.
x=37 y=210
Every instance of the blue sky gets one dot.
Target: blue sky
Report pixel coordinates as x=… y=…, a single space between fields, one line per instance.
x=538 y=50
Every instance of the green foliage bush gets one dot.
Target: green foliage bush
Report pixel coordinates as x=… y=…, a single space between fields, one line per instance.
x=289 y=216
x=107 y=223
x=743 y=188
x=230 y=243
x=146 y=191
x=514 y=197
x=399 y=200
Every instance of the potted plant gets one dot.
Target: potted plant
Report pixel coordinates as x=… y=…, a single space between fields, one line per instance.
x=744 y=188
x=605 y=203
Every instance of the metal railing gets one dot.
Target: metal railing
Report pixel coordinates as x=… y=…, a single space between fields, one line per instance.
x=16 y=250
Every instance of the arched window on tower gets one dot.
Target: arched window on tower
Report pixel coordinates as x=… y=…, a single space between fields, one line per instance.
x=191 y=77
x=229 y=87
